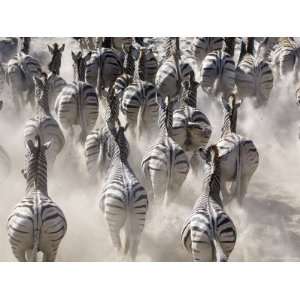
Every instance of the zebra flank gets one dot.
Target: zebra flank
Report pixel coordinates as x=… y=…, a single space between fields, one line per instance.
x=36 y=224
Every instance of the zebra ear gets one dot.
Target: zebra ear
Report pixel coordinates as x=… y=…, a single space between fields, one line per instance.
x=50 y=49
x=62 y=48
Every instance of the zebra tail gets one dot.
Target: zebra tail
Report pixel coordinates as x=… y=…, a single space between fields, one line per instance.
x=36 y=239
x=238 y=175
x=219 y=253
x=140 y=119
x=127 y=237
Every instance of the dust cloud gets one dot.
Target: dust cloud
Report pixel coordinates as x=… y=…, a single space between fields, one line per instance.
x=268 y=227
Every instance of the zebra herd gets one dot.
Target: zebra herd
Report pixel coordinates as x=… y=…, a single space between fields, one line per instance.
x=141 y=88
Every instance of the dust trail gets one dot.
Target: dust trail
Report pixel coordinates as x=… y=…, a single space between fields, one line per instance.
x=268 y=228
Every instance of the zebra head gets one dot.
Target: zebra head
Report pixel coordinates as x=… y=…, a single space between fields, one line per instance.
x=56 y=52
x=79 y=65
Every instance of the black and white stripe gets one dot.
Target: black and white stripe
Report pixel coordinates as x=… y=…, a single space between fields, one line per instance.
x=124 y=200
x=37 y=223
x=254 y=77
x=166 y=165
x=140 y=108
x=217 y=73
x=43 y=123
x=19 y=76
x=239 y=157
x=77 y=104
x=103 y=69
x=209 y=234
x=201 y=46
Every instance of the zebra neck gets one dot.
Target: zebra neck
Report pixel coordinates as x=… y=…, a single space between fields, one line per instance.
x=43 y=107
x=37 y=177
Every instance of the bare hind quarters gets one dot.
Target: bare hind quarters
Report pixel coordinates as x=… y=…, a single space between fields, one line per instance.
x=197 y=241
x=225 y=234
x=20 y=235
x=114 y=210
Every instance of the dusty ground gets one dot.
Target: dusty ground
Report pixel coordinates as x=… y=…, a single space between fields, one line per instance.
x=268 y=227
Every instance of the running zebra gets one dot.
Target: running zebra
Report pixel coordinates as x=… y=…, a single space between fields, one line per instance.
x=140 y=109
x=238 y=155
x=77 y=103
x=172 y=72
x=103 y=69
x=191 y=129
x=147 y=65
x=209 y=234
x=97 y=146
x=43 y=123
x=254 y=78
x=55 y=85
x=201 y=46
x=124 y=200
x=166 y=165
x=19 y=76
x=36 y=224
x=56 y=52
x=285 y=58
x=217 y=73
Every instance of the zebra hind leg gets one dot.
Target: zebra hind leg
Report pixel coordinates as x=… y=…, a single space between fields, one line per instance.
x=20 y=255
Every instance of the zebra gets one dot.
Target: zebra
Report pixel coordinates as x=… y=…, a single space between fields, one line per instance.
x=103 y=69
x=147 y=65
x=19 y=76
x=172 y=72
x=166 y=165
x=209 y=234
x=238 y=155
x=254 y=78
x=97 y=146
x=191 y=128
x=56 y=52
x=36 y=223
x=217 y=72
x=201 y=46
x=43 y=123
x=77 y=103
x=139 y=107
x=285 y=58
x=55 y=85
x=123 y=199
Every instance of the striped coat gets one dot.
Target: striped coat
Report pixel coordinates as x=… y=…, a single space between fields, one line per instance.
x=77 y=104
x=208 y=233
x=37 y=223
x=123 y=199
